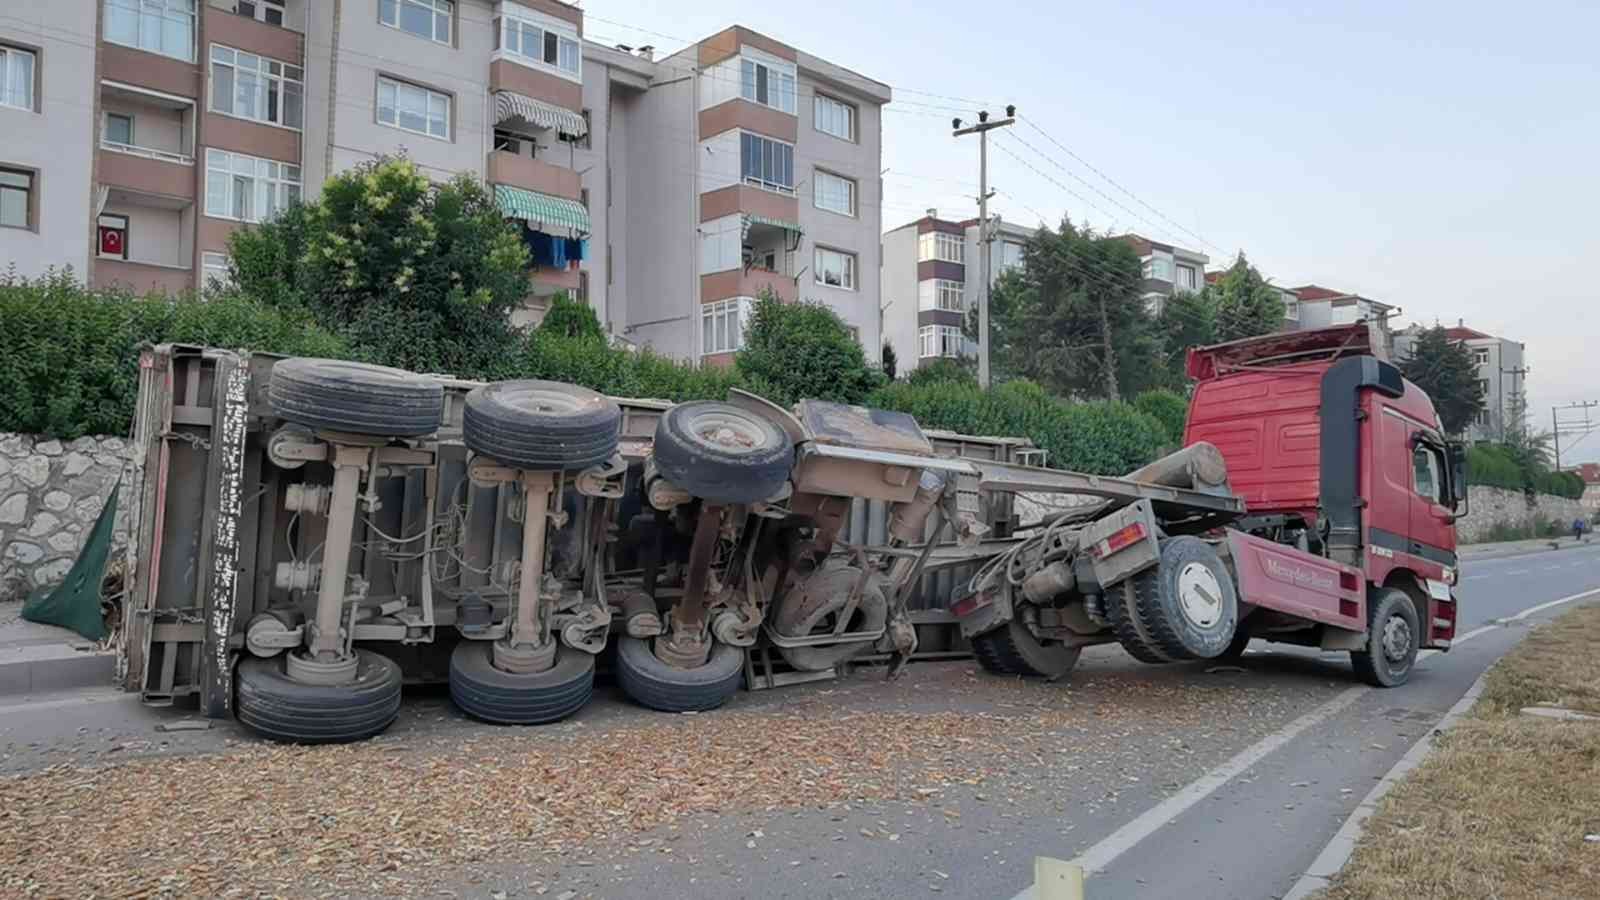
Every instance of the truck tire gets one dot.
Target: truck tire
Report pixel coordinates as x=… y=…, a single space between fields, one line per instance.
x=653 y=683
x=1187 y=603
x=721 y=453
x=817 y=602
x=1012 y=649
x=1240 y=642
x=273 y=706
x=358 y=398
x=1393 y=636
x=1123 y=613
x=507 y=698
x=541 y=425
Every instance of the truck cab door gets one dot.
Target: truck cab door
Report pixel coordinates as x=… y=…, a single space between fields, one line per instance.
x=1432 y=522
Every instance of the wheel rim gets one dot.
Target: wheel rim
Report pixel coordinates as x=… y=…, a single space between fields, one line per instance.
x=1396 y=639
x=728 y=430
x=1200 y=594
x=544 y=400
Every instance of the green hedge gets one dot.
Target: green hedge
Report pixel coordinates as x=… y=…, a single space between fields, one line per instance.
x=70 y=365
x=1099 y=437
x=1170 y=409
x=1495 y=465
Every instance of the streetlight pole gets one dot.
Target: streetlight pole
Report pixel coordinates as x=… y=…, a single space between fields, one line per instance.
x=982 y=130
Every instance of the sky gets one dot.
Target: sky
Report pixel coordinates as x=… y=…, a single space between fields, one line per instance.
x=1442 y=157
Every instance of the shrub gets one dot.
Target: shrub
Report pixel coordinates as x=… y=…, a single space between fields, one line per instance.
x=797 y=350
x=1099 y=437
x=1168 y=408
x=943 y=370
x=71 y=363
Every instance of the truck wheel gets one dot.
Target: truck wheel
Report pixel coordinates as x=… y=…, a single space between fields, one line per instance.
x=541 y=425
x=653 y=683
x=1133 y=631
x=509 y=698
x=721 y=453
x=1012 y=649
x=1393 y=636
x=273 y=706
x=814 y=607
x=1241 y=641
x=1187 y=603
x=359 y=398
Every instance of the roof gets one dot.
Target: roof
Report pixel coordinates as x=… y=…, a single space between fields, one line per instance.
x=1462 y=333
x=1144 y=246
x=1316 y=293
x=1589 y=472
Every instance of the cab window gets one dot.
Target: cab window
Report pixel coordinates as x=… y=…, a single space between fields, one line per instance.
x=1427 y=473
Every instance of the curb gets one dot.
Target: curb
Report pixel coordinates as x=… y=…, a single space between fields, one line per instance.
x=1338 y=851
x=1465 y=555
x=41 y=668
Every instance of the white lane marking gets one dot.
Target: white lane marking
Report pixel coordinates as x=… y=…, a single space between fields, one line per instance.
x=1544 y=606
x=1515 y=572
x=1151 y=820
x=1472 y=577
x=1097 y=857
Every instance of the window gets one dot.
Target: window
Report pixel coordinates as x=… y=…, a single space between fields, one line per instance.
x=119 y=129
x=768 y=83
x=159 y=26
x=834 y=117
x=1481 y=356
x=424 y=18
x=412 y=108
x=214 y=271
x=1188 y=278
x=248 y=189
x=255 y=87
x=938 y=245
x=834 y=193
x=1158 y=268
x=1291 y=309
x=582 y=143
x=939 y=340
x=766 y=163
x=113 y=236
x=1010 y=255
x=268 y=11
x=1483 y=387
x=835 y=268
x=542 y=44
x=1426 y=466
x=16 y=78
x=507 y=142
x=722 y=325
x=941 y=293
x=16 y=198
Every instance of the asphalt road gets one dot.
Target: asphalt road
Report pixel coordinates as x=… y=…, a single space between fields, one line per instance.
x=1103 y=766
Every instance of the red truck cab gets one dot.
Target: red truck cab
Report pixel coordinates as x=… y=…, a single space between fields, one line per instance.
x=1338 y=455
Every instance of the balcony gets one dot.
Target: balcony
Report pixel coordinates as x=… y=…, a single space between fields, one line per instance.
x=748 y=256
x=517 y=169
x=146 y=142
x=145 y=242
x=272 y=29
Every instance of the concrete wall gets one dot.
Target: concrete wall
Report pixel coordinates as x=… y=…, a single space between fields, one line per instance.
x=51 y=492
x=56 y=139
x=663 y=202
x=1489 y=506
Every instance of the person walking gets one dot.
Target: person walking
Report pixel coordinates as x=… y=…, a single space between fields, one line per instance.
x=1578 y=525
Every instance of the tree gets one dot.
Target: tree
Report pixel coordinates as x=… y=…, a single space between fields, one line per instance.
x=1187 y=319
x=1446 y=371
x=796 y=350
x=890 y=361
x=416 y=274
x=1072 y=319
x=1246 y=304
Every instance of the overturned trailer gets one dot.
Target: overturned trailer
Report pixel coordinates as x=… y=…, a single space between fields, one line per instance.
x=314 y=533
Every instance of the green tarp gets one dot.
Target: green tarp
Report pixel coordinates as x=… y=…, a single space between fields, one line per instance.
x=75 y=603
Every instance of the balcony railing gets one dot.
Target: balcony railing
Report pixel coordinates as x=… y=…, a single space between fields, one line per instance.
x=773 y=186
x=181 y=159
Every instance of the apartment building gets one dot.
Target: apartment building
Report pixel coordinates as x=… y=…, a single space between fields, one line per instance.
x=931 y=278
x=1315 y=306
x=1167 y=270
x=1502 y=373
x=667 y=193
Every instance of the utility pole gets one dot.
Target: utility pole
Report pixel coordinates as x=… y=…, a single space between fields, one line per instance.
x=982 y=130
x=1581 y=429
x=1516 y=391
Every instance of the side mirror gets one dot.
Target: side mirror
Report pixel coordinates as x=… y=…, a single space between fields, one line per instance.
x=1456 y=456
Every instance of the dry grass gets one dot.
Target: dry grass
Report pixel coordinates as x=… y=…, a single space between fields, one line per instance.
x=1502 y=806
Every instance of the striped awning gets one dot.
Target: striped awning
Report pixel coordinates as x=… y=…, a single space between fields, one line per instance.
x=753 y=219
x=543 y=212
x=537 y=113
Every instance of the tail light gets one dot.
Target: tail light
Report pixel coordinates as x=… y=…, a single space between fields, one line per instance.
x=1120 y=539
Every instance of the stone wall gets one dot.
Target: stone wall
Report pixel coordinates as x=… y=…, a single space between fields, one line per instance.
x=1488 y=506
x=51 y=492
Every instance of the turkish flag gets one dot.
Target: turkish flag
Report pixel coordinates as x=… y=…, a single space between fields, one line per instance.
x=111 y=241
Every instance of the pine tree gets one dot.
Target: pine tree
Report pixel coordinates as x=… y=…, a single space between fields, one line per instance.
x=1246 y=305
x=1446 y=371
